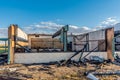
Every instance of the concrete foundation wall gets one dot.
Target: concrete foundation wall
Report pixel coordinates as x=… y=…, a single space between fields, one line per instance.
x=29 y=58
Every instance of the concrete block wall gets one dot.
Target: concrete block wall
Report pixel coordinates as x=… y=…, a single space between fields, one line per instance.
x=30 y=58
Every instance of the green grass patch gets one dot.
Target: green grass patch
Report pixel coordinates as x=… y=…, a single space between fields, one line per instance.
x=2 y=50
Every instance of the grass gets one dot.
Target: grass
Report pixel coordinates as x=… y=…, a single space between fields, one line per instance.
x=2 y=50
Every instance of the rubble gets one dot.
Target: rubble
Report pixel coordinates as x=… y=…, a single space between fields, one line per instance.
x=53 y=72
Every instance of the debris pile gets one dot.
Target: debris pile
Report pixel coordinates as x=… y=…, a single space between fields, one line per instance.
x=3 y=58
x=53 y=72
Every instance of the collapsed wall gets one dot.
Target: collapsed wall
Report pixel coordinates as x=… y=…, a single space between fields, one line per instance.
x=44 y=41
x=92 y=39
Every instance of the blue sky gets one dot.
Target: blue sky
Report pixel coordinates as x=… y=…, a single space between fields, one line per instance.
x=78 y=13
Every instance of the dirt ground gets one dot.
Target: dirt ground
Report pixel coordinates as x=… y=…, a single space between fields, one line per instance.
x=52 y=72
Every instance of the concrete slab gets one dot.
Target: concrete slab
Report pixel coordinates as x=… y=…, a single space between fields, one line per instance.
x=30 y=58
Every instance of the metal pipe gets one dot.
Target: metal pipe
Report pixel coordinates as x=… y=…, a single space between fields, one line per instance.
x=9 y=44
x=5 y=46
x=107 y=73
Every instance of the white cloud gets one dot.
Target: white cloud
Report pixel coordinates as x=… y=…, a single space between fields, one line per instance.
x=3 y=32
x=86 y=28
x=109 y=22
x=51 y=27
x=43 y=27
x=78 y=30
x=74 y=27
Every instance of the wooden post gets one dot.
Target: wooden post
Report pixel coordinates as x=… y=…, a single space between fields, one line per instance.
x=11 y=35
x=109 y=38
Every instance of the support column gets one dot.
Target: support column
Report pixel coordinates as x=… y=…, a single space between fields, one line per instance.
x=109 y=38
x=11 y=36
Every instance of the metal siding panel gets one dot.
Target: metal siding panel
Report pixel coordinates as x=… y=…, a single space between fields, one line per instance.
x=97 y=35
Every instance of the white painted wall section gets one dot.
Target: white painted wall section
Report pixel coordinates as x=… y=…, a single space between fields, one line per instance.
x=21 y=35
x=30 y=58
